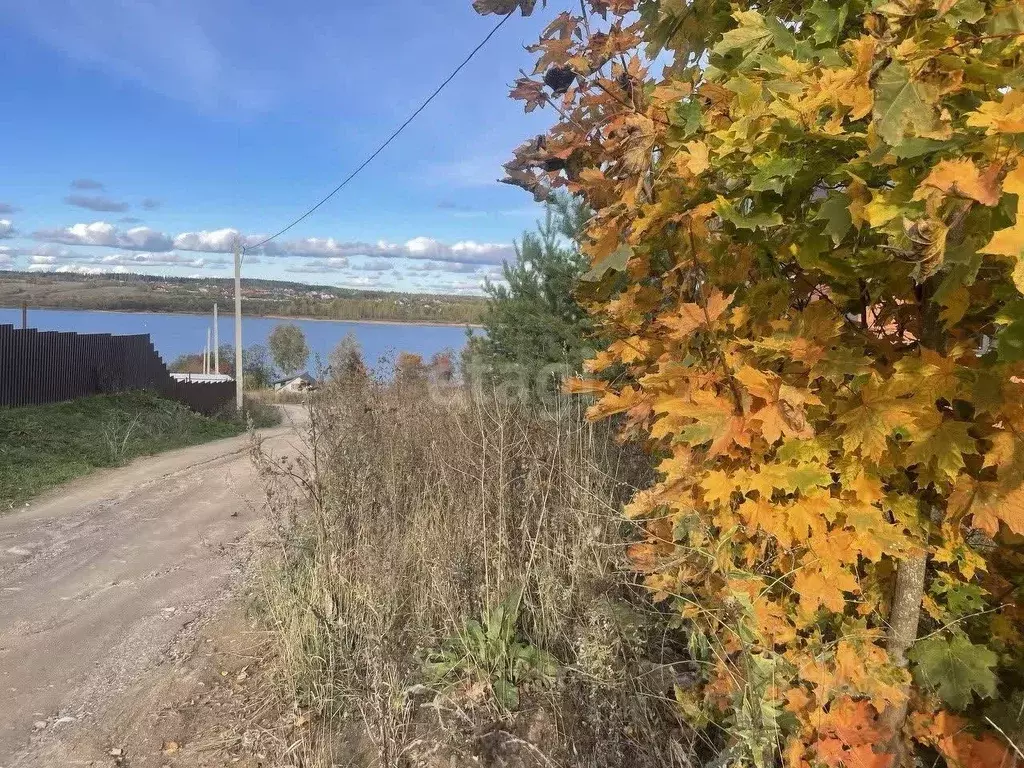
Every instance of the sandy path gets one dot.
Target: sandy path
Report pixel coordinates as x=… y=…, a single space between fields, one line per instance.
x=98 y=579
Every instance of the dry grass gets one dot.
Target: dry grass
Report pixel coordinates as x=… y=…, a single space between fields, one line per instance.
x=411 y=519
x=271 y=396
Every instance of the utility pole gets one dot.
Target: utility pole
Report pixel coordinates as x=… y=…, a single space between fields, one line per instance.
x=24 y=315
x=238 y=325
x=206 y=359
x=216 y=342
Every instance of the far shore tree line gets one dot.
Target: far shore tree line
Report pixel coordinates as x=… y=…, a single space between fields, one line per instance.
x=265 y=298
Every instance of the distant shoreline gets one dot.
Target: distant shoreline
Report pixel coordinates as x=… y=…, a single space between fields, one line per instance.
x=228 y=315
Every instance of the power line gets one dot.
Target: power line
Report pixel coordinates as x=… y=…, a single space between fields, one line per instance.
x=390 y=138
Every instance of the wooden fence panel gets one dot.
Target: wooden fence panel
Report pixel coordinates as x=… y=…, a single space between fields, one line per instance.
x=51 y=366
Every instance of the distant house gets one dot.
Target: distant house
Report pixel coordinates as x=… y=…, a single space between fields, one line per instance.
x=301 y=382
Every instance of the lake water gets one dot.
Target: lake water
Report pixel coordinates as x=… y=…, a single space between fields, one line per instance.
x=175 y=335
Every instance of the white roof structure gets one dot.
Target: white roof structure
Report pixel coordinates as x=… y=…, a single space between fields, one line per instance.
x=201 y=378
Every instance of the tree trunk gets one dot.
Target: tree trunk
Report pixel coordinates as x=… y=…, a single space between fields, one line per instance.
x=904 y=617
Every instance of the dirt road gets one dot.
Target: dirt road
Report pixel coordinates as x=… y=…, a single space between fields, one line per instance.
x=99 y=579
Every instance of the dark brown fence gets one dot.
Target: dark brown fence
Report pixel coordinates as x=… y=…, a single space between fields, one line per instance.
x=50 y=367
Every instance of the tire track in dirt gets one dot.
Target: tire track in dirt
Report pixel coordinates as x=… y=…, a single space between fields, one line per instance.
x=98 y=579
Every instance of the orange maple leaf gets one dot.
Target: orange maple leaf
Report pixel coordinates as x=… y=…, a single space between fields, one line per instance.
x=849 y=732
x=1008 y=508
x=962 y=178
x=949 y=734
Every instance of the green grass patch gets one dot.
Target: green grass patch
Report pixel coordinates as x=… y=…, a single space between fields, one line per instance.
x=42 y=446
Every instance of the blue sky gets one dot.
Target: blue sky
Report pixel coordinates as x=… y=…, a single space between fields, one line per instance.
x=136 y=131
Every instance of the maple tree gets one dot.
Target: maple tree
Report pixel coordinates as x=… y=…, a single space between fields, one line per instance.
x=807 y=249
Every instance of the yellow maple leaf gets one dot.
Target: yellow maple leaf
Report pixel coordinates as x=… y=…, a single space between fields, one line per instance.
x=1009 y=242
x=857 y=93
x=946 y=445
x=696 y=159
x=962 y=178
x=810 y=515
x=859 y=197
x=773 y=519
x=718 y=487
x=579 y=386
x=616 y=402
x=678 y=465
x=880 y=211
x=817 y=587
x=630 y=350
x=871 y=534
x=955 y=305
x=1003 y=450
x=667 y=94
x=758 y=383
x=869 y=424
x=1007 y=507
x=685 y=320
x=1005 y=116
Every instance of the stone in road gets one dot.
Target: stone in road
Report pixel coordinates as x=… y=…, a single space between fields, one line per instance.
x=98 y=579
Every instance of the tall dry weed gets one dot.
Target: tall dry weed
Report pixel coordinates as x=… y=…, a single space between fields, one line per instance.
x=413 y=514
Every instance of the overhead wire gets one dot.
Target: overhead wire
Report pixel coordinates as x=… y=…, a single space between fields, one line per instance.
x=387 y=141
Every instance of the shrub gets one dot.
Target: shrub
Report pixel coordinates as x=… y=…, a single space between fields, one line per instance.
x=807 y=249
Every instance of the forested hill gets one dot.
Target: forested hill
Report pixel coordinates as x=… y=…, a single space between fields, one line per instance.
x=150 y=293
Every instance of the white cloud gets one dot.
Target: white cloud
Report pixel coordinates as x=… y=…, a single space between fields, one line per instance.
x=451 y=267
x=100 y=233
x=375 y=265
x=49 y=254
x=7 y=229
x=171 y=259
x=56 y=252
x=361 y=281
x=319 y=266
x=463 y=252
x=218 y=241
x=76 y=269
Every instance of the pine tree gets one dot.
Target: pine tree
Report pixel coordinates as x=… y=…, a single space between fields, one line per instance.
x=532 y=320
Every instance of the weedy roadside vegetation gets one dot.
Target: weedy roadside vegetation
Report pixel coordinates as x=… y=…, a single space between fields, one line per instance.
x=448 y=586
x=42 y=446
